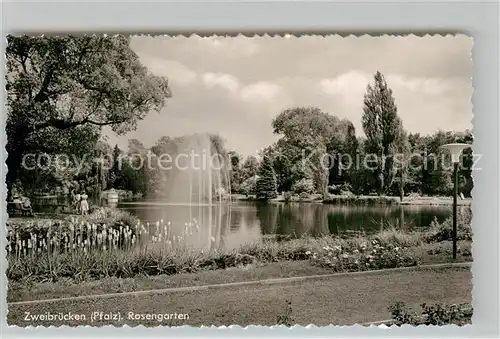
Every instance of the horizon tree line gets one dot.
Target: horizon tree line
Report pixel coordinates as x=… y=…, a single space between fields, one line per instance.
x=62 y=91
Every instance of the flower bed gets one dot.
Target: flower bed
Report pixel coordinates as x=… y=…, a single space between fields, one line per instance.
x=367 y=256
x=104 y=227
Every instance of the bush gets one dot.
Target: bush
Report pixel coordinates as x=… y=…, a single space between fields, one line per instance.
x=287 y=196
x=304 y=196
x=432 y=314
x=414 y=196
x=342 y=189
x=286 y=318
x=347 y=194
x=443 y=231
x=303 y=186
x=248 y=186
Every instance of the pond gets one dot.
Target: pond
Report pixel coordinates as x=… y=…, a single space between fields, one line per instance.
x=244 y=222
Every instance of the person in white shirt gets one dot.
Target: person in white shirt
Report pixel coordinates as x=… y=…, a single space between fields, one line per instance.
x=84 y=205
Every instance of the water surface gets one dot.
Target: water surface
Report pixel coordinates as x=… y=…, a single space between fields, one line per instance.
x=243 y=222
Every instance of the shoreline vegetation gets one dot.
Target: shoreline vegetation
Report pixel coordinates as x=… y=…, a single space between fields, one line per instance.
x=360 y=200
x=84 y=261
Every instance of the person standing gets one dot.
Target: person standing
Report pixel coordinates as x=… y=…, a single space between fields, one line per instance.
x=76 y=203
x=84 y=205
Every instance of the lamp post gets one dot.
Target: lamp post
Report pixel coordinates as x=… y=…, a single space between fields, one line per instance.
x=455 y=150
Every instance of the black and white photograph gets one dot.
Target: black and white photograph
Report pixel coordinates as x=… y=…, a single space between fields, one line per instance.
x=170 y=180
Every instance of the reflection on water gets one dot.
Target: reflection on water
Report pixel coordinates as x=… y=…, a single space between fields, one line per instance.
x=230 y=227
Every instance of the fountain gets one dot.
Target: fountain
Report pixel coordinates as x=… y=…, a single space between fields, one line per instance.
x=196 y=180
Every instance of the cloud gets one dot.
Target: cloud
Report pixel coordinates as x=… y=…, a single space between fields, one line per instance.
x=236 y=86
x=226 y=81
x=265 y=91
x=431 y=86
x=173 y=70
x=231 y=47
x=356 y=81
x=258 y=92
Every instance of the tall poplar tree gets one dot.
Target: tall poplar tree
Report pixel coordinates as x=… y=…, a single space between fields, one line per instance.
x=384 y=131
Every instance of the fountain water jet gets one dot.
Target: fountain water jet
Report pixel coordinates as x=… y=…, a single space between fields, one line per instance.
x=195 y=183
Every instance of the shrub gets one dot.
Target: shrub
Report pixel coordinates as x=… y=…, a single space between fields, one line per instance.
x=443 y=231
x=342 y=189
x=437 y=314
x=348 y=194
x=414 y=196
x=303 y=186
x=304 y=196
x=287 y=196
x=286 y=318
x=249 y=186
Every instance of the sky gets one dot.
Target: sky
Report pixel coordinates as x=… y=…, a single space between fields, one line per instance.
x=235 y=86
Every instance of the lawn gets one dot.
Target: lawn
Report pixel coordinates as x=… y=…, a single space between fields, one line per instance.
x=340 y=300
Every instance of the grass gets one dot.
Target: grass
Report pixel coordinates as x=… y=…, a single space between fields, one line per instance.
x=29 y=289
x=342 y=300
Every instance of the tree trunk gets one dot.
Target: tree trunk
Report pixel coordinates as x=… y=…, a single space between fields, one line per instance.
x=16 y=148
x=402 y=186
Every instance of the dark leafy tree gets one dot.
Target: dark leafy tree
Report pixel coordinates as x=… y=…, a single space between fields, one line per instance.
x=63 y=89
x=249 y=168
x=308 y=134
x=266 y=186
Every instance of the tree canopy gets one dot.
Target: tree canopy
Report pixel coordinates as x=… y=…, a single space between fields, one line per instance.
x=62 y=90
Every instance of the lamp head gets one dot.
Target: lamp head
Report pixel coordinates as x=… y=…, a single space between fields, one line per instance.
x=455 y=150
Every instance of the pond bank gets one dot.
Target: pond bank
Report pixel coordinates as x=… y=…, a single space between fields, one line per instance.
x=365 y=200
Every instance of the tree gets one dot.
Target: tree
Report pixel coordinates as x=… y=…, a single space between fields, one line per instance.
x=402 y=162
x=249 y=168
x=383 y=129
x=266 y=182
x=114 y=172
x=308 y=134
x=61 y=89
x=235 y=171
